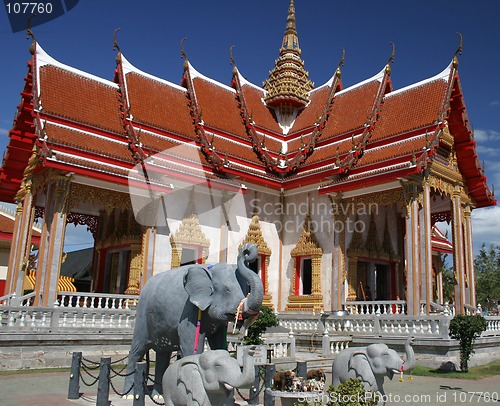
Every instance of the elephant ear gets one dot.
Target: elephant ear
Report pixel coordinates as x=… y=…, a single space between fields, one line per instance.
x=359 y=363
x=199 y=286
x=189 y=375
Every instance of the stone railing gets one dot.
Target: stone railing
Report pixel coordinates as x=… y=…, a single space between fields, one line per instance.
x=281 y=346
x=12 y=300
x=493 y=326
x=378 y=307
x=96 y=300
x=332 y=345
x=60 y=319
x=363 y=324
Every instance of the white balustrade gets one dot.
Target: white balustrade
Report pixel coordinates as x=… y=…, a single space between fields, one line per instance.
x=97 y=300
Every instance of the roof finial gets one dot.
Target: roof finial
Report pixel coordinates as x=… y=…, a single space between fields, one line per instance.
x=391 y=58
x=341 y=63
x=458 y=51
x=231 y=59
x=117 y=47
x=183 y=53
x=29 y=33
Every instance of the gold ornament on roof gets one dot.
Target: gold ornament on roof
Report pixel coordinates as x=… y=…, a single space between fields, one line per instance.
x=288 y=83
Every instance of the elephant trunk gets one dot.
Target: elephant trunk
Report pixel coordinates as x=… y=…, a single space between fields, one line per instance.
x=249 y=280
x=409 y=364
x=247 y=377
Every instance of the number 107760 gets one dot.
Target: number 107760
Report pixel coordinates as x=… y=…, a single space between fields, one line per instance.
x=29 y=8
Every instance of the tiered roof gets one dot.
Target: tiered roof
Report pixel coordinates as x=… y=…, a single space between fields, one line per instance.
x=343 y=139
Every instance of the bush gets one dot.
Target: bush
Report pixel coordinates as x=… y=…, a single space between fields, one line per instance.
x=465 y=329
x=265 y=319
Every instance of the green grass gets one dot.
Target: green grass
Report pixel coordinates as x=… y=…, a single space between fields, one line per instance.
x=33 y=371
x=477 y=372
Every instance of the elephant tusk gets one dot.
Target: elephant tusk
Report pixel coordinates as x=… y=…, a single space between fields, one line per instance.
x=228 y=387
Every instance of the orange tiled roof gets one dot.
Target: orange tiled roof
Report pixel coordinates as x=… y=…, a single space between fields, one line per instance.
x=159 y=105
x=218 y=107
x=308 y=116
x=78 y=98
x=350 y=110
x=411 y=109
x=261 y=114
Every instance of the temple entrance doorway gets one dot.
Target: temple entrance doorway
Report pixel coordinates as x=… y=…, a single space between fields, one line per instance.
x=382 y=282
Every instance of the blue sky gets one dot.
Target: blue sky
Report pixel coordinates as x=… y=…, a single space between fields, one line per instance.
x=423 y=31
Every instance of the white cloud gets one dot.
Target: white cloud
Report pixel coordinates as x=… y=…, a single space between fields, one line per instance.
x=486 y=226
x=486 y=135
x=494 y=103
x=4 y=131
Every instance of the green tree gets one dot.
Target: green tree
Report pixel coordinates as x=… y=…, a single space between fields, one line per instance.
x=448 y=280
x=487 y=265
x=466 y=328
x=265 y=319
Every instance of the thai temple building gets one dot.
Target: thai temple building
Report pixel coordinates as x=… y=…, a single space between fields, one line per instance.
x=339 y=187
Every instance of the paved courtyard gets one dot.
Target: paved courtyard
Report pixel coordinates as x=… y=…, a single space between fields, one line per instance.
x=48 y=389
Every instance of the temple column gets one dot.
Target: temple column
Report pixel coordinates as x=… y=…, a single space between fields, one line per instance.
x=148 y=254
x=412 y=250
x=426 y=248
x=52 y=241
x=469 y=258
x=458 y=255
x=21 y=243
x=339 y=267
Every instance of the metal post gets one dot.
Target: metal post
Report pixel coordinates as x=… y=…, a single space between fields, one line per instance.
x=302 y=369
x=140 y=380
x=268 y=381
x=74 y=377
x=253 y=397
x=103 y=385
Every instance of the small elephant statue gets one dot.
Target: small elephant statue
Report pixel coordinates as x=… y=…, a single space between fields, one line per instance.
x=371 y=365
x=181 y=307
x=206 y=379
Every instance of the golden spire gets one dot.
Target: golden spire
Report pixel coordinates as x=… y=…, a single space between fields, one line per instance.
x=288 y=85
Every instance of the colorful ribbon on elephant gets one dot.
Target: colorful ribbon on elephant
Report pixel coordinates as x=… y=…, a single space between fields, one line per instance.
x=197 y=336
x=237 y=316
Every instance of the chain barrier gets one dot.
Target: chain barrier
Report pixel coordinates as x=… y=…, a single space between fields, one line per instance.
x=257 y=394
x=91 y=362
x=121 y=394
x=86 y=370
x=119 y=373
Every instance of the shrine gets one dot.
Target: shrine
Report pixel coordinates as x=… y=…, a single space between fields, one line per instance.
x=339 y=187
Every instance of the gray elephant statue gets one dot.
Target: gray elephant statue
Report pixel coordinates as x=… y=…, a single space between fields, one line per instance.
x=371 y=365
x=206 y=379
x=171 y=303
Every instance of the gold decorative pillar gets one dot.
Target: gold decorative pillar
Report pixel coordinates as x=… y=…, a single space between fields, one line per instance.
x=136 y=266
x=458 y=254
x=469 y=257
x=426 y=247
x=52 y=241
x=412 y=257
x=340 y=276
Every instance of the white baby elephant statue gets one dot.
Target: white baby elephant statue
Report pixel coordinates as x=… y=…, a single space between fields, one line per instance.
x=206 y=379
x=371 y=365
